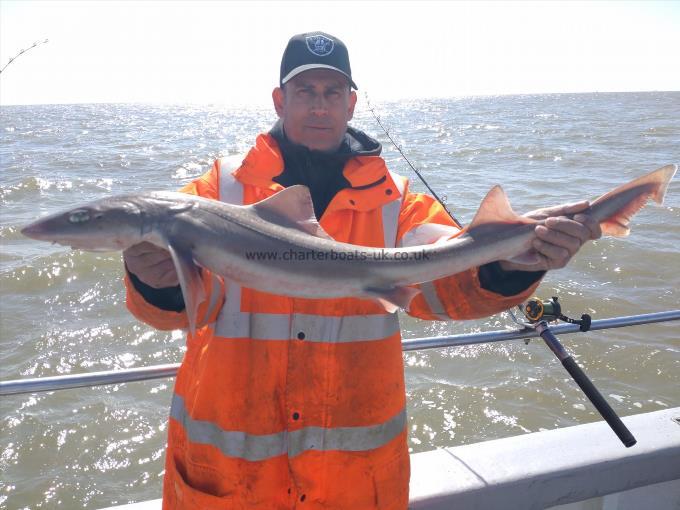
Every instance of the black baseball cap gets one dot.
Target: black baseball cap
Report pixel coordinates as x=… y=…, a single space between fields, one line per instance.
x=315 y=50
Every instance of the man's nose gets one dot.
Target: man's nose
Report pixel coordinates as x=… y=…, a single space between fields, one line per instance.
x=319 y=105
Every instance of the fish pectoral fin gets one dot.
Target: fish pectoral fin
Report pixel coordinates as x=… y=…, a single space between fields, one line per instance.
x=393 y=298
x=291 y=207
x=528 y=258
x=190 y=282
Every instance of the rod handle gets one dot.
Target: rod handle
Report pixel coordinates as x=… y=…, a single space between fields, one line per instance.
x=599 y=402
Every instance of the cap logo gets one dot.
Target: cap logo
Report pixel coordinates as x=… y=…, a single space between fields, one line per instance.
x=320 y=45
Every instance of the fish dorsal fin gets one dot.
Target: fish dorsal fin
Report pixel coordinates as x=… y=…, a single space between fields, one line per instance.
x=494 y=209
x=291 y=207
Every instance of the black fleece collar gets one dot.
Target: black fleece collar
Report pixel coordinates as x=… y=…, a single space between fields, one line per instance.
x=320 y=171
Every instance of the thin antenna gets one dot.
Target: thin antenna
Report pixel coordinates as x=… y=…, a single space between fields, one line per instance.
x=37 y=43
x=377 y=118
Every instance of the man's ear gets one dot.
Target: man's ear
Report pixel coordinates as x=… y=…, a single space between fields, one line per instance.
x=277 y=97
x=352 y=104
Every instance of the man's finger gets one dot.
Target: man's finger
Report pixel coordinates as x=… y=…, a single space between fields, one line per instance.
x=568 y=227
x=558 y=239
x=559 y=210
x=573 y=208
x=556 y=256
x=592 y=225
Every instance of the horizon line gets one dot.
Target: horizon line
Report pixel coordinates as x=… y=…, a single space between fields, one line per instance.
x=391 y=100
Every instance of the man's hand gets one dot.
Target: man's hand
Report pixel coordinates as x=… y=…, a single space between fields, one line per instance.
x=560 y=239
x=152 y=265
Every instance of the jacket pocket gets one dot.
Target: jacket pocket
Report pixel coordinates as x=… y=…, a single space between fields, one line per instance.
x=391 y=483
x=181 y=494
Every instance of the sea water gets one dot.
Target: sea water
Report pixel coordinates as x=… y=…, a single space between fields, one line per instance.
x=63 y=312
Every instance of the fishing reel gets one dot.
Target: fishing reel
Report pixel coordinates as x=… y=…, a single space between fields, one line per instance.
x=536 y=310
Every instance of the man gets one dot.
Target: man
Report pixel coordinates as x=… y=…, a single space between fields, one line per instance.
x=297 y=403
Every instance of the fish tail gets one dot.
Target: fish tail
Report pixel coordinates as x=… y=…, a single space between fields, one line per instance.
x=636 y=193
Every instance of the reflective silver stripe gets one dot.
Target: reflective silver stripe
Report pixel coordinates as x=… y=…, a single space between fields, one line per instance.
x=233 y=323
x=231 y=191
x=427 y=234
x=231 y=443
x=347 y=328
x=429 y=292
x=390 y=213
x=255 y=447
x=316 y=328
x=348 y=439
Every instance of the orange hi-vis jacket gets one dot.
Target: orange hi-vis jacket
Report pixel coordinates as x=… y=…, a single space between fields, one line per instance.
x=297 y=403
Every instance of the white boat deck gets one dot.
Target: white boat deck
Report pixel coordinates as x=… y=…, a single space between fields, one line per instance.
x=575 y=468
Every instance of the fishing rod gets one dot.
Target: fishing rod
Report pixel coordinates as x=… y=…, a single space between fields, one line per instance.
x=35 y=44
x=539 y=313
x=398 y=147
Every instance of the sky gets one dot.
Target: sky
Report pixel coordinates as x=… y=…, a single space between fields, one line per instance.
x=230 y=52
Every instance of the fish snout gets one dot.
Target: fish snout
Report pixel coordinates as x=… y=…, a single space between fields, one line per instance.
x=35 y=230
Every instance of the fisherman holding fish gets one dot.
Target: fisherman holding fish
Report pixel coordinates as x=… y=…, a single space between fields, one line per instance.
x=293 y=402
x=299 y=403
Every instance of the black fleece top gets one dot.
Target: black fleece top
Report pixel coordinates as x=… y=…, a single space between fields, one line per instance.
x=322 y=173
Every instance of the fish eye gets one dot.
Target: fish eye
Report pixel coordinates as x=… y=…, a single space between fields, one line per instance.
x=79 y=216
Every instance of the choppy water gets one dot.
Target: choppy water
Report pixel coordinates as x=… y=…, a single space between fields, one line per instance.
x=63 y=312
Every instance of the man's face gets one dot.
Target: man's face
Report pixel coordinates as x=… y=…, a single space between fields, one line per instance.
x=315 y=107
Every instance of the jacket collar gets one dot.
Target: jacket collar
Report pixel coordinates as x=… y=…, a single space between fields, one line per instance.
x=371 y=183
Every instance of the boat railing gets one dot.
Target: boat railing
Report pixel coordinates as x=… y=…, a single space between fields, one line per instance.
x=43 y=384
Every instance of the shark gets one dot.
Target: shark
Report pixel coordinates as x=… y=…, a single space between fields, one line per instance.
x=278 y=246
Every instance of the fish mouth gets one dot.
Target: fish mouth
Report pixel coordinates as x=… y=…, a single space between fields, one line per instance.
x=35 y=231
x=41 y=232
